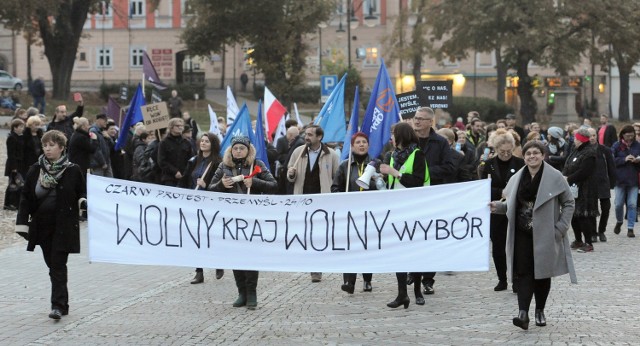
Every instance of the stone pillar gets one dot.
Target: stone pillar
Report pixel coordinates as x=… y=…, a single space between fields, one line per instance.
x=564 y=110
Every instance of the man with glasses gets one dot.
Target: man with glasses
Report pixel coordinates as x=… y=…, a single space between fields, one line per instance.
x=173 y=153
x=439 y=160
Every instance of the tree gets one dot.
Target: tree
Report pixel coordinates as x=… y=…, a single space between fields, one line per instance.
x=617 y=30
x=274 y=28
x=404 y=48
x=548 y=33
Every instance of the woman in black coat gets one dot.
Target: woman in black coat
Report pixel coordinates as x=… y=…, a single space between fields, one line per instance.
x=198 y=175
x=48 y=214
x=82 y=144
x=579 y=172
x=15 y=164
x=402 y=174
x=360 y=160
x=501 y=168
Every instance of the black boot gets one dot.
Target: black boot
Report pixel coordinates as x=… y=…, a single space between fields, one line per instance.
x=252 y=299
x=219 y=274
x=242 y=298
x=198 y=279
x=367 y=286
x=348 y=287
x=617 y=228
x=522 y=320
x=402 y=298
x=541 y=321
x=501 y=286
x=418 y=292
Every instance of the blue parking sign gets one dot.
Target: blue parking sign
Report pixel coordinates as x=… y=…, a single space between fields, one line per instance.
x=327 y=84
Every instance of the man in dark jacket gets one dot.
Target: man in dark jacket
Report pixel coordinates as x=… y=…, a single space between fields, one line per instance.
x=606 y=176
x=38 y=92
x=439 y=160
x=63 y=122
x=100 y=162
x=173 y=153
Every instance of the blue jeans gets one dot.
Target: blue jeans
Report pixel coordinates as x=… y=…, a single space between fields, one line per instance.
x=626 y=195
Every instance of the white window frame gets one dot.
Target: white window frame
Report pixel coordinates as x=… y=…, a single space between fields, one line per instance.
x=376 y=7
x=447 y=63
x=101 y=55
x=137 y=50
x=490 y=65
x=138 y=8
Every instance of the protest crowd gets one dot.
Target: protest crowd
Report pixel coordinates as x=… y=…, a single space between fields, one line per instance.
x=578 y=165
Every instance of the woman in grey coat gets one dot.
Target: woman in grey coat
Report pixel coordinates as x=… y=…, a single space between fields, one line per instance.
x=539 y=205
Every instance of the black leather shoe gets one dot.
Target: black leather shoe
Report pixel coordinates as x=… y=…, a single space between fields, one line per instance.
x=603 y=238
x=56 y=314
x=541 y=321
x=349 y=288
x=198 y=279
x=428 y=289
x=420 y=300
x=501 y=286
x=219 y=274
x=367 y=286
x=617 y=228
x=400 y=301
x=522 y=320
x=594 y=238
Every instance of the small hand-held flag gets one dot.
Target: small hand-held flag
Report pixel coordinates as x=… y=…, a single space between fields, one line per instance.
x=213 y=127
x=381 y=113
x=331 y=116
x=353 y=127
x=134 y=115
x=232 y=107
x=260 y=144
x=274 y=110
x=150 y=73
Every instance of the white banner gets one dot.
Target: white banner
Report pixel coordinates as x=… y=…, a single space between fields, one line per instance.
x=436 y=228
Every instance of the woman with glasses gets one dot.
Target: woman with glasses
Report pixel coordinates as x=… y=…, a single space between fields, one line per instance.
x=501 y=168
x=538 y=204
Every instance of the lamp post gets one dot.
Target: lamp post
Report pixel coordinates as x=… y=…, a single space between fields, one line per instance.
x=321 y=26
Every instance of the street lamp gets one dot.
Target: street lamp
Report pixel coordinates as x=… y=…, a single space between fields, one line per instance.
x=321 y=26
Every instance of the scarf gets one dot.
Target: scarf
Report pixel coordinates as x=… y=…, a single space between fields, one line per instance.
x=51 y=172
x=528 y=187
x=401 y=155
x=555 y=148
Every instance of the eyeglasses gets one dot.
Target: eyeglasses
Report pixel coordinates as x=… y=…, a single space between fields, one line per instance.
x=421 y=119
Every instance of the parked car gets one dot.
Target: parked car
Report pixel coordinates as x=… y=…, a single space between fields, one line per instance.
x=8 y=81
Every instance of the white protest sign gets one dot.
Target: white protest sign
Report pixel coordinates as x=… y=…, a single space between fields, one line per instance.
x=155 y=116
x=411 y=230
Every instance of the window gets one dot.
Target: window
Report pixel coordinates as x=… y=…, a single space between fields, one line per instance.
x=104 y=58
x=485 y=60
x=137 y=8
x=371 y=7
x=136 y=56
x=372 y=57
x=448 y=63
x=105 y=9
x=82 y=56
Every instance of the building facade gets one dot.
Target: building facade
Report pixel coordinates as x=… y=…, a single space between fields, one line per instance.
x=111 y=52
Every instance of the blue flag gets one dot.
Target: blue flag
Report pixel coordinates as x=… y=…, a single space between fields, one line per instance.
x=261 y=146
x=240 y=126
x=353 y=126
x=382 y=112
x=331 y=116
x=134 y=115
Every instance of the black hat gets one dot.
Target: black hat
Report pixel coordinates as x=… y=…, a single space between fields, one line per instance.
x=240 y=139
x=101 y=116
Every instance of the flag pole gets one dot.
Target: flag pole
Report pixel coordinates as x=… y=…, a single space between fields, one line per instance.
x=204 y=174
x=346 y=189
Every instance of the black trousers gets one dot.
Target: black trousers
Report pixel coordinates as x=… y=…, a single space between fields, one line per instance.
x=57 y=263
x=605 y=207
x=529 y=287
x=246 y=280
x=402 y=284
x=498 y=229
x=350 y=278
x=584 y=225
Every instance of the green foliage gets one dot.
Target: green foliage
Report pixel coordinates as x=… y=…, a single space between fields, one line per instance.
x=275 y=30
x=490 y=110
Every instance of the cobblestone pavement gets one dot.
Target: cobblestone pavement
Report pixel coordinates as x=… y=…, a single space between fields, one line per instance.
x=149 y=305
